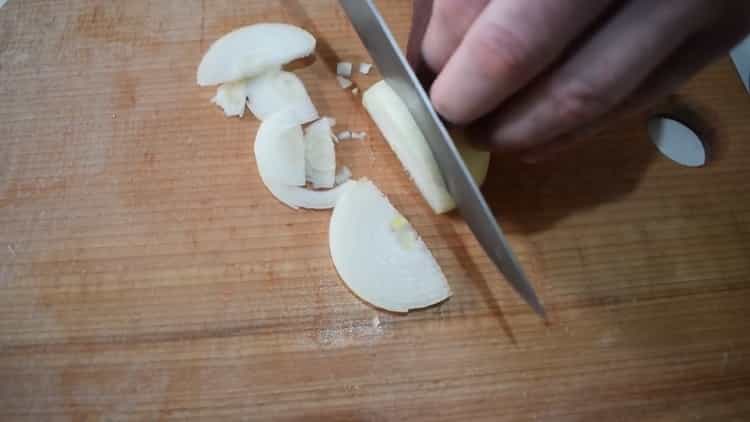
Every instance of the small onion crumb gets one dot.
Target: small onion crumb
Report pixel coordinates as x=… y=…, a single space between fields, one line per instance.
x=364 y=68
x=344 y=69
x=355 y=91
x=344 y=82
x=342 y=136
x=359 y=135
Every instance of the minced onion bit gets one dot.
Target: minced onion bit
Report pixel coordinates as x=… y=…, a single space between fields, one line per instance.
x=344 y=69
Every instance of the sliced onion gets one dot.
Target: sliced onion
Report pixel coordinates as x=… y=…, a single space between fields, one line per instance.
x=401 y=132
x=252 y=50
x=343 y=175
x=406 y=139
x=280 y=150
x=277 y=90
x=280 y=156
x=320 y=154
x=231 y=98
x=344 y=82
x=364 y=68
x=378 y=254
x=344 y=69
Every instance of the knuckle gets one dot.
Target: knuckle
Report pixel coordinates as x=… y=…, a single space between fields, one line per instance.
x=500 y=52
x=579 y=101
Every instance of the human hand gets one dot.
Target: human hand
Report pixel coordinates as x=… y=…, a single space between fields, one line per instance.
x=529 y=73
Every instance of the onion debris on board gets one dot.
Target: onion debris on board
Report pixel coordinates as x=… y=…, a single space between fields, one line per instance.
x=378 y=254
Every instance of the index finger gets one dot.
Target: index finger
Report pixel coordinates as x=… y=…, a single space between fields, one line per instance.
x=510 y=43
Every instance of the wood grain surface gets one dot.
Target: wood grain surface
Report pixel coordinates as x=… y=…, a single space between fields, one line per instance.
x=146 y=274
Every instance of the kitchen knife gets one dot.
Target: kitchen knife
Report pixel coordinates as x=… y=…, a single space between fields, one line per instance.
x=392 y=64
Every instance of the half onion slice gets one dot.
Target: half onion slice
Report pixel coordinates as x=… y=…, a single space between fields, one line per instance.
x=378 y=254
x=277 y=90
x=249 y=51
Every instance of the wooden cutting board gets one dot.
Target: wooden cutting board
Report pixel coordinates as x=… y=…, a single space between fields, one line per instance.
x=146 y=274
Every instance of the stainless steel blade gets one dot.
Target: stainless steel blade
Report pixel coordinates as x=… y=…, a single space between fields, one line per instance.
x=392 y=64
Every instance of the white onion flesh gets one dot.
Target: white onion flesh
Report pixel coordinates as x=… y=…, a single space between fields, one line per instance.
x=378 y=254
x=320 y=155
x=280 y=156
x=344 y=82
x=364 y=68
x=231 y=98
x=280 y=150
x=401 y=132
x=278 y=90
x=343 y=175
x=344 y=69
x=252 y=50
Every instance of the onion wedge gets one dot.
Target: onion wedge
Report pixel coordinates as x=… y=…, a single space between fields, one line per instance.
x=277 y=90
x=401 y=132
x=378 y=254
x=249 y=51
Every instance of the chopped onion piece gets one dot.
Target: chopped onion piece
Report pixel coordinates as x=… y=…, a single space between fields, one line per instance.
x=231 y=98
x=278 y=90
x=343 y=175
x=344 y=82
x=252 y=50
x=344 y=69
x=359 y=135
x=355 y=90
x=343 y=136
x=364 y=68
x=320 y=155
x=378 y=254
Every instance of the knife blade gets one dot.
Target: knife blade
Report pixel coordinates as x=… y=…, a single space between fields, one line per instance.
x=377 y=38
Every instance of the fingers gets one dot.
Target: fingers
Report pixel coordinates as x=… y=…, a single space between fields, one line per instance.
x=420 y=18
x=449 y=22
x=696 y=52
x=599 y=76
x=510 y=43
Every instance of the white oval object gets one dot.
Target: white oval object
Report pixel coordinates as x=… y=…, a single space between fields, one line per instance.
x=320 y=154
x=231 y=98
x=401 y=132
x=252 y=50
x=677 y=141
x=378 y=254
x=277 y=90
